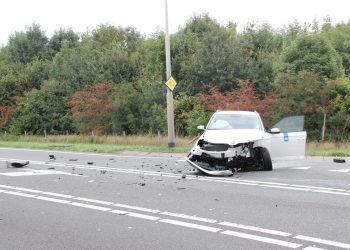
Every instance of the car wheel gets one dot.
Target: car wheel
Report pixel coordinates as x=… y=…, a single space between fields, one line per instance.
x=265 y=160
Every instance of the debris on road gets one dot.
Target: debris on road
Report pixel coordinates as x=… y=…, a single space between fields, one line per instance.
x=51 y=168
x=339 y=160
x=183 y=176
x=103 y=171
x=52 y=157
x=72 y=159
x=17 y=164
x=90 y=163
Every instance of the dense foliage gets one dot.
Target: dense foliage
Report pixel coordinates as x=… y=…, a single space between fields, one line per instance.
x=110 y=80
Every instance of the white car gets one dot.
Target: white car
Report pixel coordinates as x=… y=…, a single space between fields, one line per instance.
x=238 y=139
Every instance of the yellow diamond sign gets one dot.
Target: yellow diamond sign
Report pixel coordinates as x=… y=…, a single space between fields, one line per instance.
x=171 y=83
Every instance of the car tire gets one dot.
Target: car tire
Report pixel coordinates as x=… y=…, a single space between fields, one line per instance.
x=265 y=160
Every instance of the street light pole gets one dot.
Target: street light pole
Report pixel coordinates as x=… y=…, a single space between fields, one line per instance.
x=169 y=95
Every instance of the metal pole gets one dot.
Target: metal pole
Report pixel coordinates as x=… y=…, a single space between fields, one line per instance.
x=324 y=126
x=169 y=95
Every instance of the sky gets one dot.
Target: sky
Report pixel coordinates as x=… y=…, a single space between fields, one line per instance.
x=148 y=16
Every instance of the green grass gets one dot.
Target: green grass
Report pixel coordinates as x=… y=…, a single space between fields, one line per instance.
x=97 y=146
x=115 y=144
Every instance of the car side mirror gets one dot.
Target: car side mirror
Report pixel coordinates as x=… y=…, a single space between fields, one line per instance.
x=274 y=131
x=200 y=127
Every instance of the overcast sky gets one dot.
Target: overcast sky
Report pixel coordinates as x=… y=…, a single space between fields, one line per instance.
x=147 y=16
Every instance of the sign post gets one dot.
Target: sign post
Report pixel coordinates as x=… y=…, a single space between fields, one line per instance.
x=169 y=95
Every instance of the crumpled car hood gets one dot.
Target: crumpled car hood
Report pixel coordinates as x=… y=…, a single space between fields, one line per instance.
x=232 y=136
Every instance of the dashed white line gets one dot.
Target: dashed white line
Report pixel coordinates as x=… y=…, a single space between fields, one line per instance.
x=184 y=216
x=191 y=225
x=301 y=168
x=136 y=208
x=28 y=190
x=321 y=241
x=330 y=192
x=78 y=204
x=58 y=195
x=313 y=248
x=20 y=194
x=314 y=187
x=262 y=239
x=262 y=230
x=120 y=212
x=143 y=216
x=340 y=170
x=285 y=187
x=51 y=199
x=94 y=201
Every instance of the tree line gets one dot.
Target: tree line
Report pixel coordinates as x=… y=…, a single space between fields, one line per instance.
x=111 y=80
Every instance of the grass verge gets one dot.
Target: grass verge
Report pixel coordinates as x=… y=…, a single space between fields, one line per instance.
x=98 y=144
x=115 y=144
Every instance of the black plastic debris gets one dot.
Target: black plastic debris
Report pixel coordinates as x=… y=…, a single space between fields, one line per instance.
x=142 y=184
x=339 y=160
x=90 y=163
x=51 y=168
x=52 y=157
x=19 y=164
x=183 y=176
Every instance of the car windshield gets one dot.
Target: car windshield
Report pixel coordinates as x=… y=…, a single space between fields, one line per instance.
x=234 y=121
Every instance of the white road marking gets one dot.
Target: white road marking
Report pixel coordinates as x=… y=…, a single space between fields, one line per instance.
x=330 y=192
x=262 y=230
x=189 y=217
x=313 y=248
x=20 y=194
x=176 y=222
x=78 y=204
x=93 y=200
x=143 y=216
x=239 y=183
x=262 y=239
x=28 y=190
x=191 y=225
x=31 y=172
x=137 y=208
x=58 y=195
x=340 y=170
x=51 y=199
x=325 y=242
x=314 y=187
x=284 y=187
x=120 y=212
x=301 y=168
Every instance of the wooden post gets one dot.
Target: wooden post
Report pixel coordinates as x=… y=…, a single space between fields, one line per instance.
x=45 y=133
x=124 y=134
x=25 y=133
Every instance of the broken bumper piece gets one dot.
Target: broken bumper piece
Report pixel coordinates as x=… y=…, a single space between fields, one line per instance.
x=200 y=167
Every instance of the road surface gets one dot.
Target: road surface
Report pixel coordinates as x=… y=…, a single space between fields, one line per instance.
x=157 y=201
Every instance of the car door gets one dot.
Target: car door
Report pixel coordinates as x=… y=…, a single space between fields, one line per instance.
x=290 y=142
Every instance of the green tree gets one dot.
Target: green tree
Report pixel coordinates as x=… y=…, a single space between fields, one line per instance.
x=23 y=47
x=59 y=37
x=312 y=52
x=44 y=109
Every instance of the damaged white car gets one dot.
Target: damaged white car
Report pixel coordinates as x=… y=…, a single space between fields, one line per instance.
x=238 y=140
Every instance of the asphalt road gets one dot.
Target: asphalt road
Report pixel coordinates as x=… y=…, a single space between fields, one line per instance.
x=157 y=201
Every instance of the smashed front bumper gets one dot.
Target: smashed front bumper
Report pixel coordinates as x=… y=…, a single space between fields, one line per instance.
x=220 y=159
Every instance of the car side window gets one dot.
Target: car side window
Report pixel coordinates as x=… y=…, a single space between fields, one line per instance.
x=291 y=124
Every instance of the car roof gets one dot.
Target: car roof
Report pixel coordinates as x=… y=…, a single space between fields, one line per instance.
x=236 y=112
